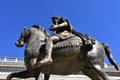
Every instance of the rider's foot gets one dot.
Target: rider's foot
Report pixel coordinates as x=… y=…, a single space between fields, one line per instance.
x=43 y=62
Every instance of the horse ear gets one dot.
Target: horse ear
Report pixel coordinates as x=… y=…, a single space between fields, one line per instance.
x=25 y=28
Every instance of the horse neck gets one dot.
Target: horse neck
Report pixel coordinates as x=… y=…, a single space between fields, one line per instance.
x=35 y=39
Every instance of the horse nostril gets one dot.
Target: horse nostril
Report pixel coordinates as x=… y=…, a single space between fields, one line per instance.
x=17 y=43
x=22 y=44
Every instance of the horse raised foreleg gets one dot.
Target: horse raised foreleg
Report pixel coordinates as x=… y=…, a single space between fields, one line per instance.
x=23 y=74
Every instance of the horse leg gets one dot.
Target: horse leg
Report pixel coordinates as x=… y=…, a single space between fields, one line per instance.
x=91 y=74
x=38 y=74
x=23 y=74
x=99 y=71
x=46 y=76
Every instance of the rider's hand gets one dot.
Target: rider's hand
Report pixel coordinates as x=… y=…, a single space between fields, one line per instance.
x=54 y=27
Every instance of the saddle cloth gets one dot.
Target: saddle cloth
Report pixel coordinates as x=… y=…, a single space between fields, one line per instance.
x=74 y=41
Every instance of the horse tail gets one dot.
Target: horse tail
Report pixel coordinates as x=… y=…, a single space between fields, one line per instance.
x=109 y=55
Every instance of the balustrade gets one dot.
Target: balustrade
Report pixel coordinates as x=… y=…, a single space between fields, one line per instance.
x=11 y=59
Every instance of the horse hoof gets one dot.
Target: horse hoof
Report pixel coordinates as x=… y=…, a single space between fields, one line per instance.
x=39 y=64
x=9 y=77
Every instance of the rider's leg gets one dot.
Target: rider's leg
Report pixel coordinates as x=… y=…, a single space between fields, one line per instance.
x=48 y=50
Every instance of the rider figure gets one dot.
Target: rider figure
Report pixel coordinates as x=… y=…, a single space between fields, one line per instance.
x=62 y=30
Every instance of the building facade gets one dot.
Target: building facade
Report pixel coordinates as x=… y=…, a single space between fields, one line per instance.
x=10 y=64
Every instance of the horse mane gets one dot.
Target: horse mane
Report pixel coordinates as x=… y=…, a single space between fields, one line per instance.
x=41 y=29
x=44 y=30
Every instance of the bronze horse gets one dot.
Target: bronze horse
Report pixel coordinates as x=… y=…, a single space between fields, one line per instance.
x=69 y=56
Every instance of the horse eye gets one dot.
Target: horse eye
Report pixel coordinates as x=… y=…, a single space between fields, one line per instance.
x=22 y=34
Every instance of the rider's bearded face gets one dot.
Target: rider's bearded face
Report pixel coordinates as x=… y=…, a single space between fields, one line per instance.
x=55 y=19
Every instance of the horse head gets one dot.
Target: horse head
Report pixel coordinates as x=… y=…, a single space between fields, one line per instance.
x=35 y=33
x=23 y=38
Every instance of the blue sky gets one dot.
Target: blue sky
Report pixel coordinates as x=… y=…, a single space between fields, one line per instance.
x=98 y=18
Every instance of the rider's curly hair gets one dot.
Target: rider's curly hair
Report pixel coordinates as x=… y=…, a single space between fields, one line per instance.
x=58 y=19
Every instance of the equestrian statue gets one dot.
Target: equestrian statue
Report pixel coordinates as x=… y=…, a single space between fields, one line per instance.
x=65 y=52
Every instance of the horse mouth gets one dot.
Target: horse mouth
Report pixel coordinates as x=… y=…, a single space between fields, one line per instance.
x=19 y=44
